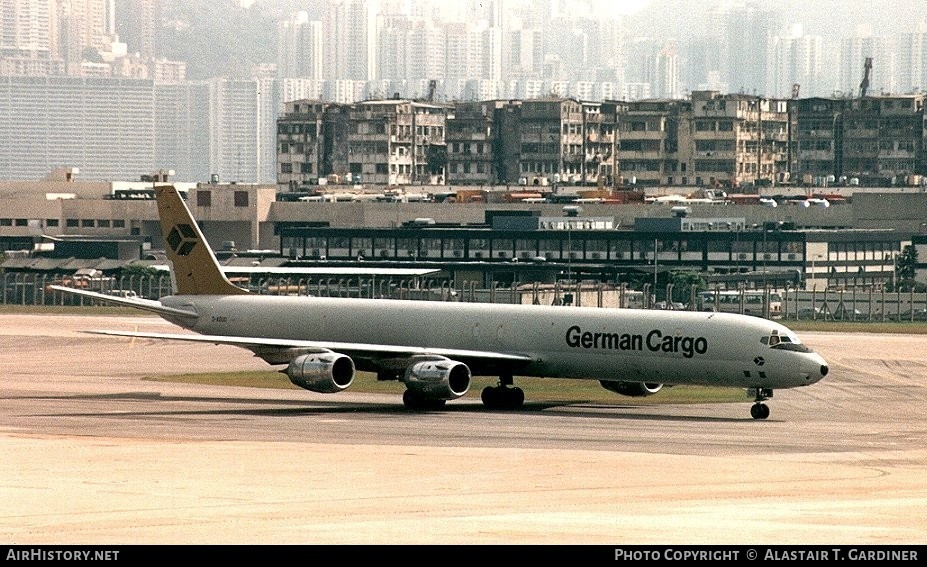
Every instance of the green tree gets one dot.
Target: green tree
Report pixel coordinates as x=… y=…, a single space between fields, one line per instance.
x=683 y=282
x=139 y=270
x=906 y=264
x=905 y=271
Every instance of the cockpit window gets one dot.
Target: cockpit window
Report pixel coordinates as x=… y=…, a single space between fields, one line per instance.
x=774 y=339
x=794 y=347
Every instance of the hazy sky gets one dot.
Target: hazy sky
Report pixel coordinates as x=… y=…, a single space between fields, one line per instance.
x=829 y=18
x=627 y=6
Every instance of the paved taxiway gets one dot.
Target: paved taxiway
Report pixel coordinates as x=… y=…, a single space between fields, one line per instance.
x=95 y=454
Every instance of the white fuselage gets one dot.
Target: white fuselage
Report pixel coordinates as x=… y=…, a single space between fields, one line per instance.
x=668 y=347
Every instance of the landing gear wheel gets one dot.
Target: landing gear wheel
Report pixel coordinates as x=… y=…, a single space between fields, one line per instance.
x=415 y=401
x=516 y=397
x=502 y=397
x=759 y=411
x=490 y=397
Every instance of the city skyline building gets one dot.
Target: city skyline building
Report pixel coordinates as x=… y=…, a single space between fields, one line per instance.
x=448 y=52
x=795 y=59
x=300 y=48
x=505 y=40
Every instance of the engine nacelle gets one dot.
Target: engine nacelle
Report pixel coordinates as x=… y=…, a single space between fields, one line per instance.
x=326 y=372
x=438 y=378
x=632 y=389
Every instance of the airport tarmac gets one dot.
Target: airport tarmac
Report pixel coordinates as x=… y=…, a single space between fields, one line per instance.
x=95 y=454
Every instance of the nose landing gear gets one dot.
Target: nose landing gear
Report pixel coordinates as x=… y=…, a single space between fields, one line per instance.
x=759 y=410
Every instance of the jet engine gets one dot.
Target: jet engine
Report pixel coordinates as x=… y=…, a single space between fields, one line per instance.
x=438 y=378
x=632 y=389
x=326 y=372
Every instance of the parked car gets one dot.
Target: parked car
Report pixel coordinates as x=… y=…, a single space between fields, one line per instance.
x=844 y=313
x=672 y=305
x=127 y=293
x=917 y=314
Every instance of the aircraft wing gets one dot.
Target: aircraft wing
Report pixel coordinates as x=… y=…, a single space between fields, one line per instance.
x=136 y=302
x=277 y=351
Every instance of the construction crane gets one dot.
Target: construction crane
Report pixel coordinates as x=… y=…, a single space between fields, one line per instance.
x=864 y=84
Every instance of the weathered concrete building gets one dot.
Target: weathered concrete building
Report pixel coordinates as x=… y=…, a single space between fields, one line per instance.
x=883 y=139
x=710 y=140
x=654 y=141
x=311 y=140
x=740 y=139
x=397 y=142
x=476 y=152
x=819 y=139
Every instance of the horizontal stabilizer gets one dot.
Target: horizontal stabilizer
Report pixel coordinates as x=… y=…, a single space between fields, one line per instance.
x=137 y=303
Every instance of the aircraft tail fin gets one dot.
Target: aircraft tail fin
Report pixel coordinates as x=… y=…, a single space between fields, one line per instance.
x=193 y=264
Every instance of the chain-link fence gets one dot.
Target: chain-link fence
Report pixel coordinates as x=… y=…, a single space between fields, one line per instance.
x=24 y=288
x=30 y=288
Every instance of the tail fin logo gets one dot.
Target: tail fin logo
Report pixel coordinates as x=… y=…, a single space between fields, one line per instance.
x=182 y=239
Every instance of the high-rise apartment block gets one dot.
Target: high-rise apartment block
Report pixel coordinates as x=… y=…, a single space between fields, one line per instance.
x=117 y=129
x=104 y=127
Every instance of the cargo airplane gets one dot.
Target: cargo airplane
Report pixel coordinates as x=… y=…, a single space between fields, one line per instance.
x=435 y=348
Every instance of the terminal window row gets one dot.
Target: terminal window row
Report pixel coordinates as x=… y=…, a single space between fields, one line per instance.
x=88 y=223
x=561 y=247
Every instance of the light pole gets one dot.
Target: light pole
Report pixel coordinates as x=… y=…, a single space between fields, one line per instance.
x=894 y=258
x=765 y=256
x=814 y=271
x=815 y=286
x=571 y=212
x=654 y=265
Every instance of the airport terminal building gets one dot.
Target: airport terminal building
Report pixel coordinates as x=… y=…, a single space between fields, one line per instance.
x=851 y=245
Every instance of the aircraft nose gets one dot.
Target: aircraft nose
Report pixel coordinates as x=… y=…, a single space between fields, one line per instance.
x=814 y=368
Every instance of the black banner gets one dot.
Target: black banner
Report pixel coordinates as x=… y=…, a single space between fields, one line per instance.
x=571 y=553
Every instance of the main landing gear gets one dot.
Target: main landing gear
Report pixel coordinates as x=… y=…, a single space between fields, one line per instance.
x=415 y=401
x=759 y=409
x=503 y=396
